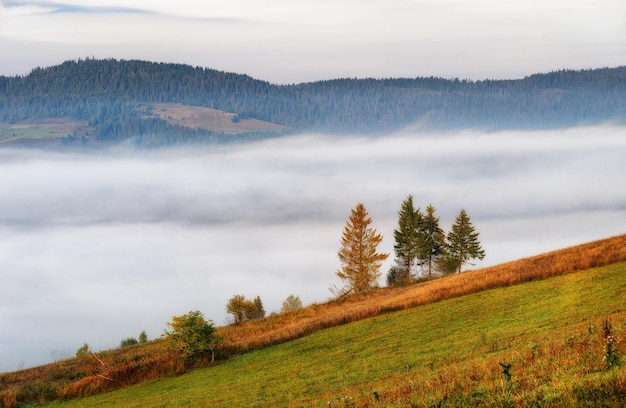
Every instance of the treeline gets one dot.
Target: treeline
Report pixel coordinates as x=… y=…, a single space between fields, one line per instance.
x=106 y=92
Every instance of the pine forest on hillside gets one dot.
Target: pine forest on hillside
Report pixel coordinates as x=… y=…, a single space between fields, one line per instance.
x=115 y=100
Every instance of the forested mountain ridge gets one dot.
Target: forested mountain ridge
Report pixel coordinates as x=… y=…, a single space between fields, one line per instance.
x=105 y=96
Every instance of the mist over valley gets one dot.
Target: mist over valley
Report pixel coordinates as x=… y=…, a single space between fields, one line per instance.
x=96 y=247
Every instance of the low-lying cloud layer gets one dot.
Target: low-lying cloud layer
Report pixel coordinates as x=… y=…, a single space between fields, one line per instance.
x=96 y=248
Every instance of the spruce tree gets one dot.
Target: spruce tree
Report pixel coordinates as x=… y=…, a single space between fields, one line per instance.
x=360 y=261
x=432 y=242
x=463 y=243
x=407 y=238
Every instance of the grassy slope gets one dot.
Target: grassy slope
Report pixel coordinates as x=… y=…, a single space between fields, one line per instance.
x=283 y=327
x=37 y=131
x=198 y=117
x=447 y=352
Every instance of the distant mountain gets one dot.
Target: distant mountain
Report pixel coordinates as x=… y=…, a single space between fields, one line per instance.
x=103 y=101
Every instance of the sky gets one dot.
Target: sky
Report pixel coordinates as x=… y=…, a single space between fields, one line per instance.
x=96 y=248
x=293 y=41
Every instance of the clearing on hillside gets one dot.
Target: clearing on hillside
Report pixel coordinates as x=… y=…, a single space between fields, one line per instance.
x=46 y=131
x=198 y=117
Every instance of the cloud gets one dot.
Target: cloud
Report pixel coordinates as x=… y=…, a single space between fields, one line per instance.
x=286 y=42
x=96 y=248
x=271 y=11
x=53 y=7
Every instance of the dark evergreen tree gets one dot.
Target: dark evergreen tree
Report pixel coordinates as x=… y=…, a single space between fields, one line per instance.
x=259 y=311
x=406 y=237
x=432 y=240
x=392 y=275
x=462 y=241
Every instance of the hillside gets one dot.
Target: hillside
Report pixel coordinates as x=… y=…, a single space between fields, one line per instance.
x=109 y=98
x=533 y=311
x=451 y=353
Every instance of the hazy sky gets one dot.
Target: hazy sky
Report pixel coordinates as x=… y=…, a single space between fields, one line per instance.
x=96 y=248
x=286 y=41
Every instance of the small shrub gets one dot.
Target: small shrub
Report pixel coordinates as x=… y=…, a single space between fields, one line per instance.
x=131 y=341
x=40 y=391
x=191 y=335
x=291 y=304
x=83 y=350
x=397 y=276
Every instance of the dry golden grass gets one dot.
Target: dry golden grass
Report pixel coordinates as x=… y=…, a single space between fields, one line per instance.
x=89 y=374
x=198 y=117
x=281 y=328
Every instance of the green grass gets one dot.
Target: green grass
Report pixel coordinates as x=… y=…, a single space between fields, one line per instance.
x=30 y=131
x=447 y=353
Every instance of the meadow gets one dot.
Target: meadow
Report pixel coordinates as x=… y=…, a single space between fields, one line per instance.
x=197 y=117
x=34 y=131
x=436 y=342
x=450 y=353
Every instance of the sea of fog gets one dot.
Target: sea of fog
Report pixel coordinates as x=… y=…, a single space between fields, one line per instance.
x=96 y=247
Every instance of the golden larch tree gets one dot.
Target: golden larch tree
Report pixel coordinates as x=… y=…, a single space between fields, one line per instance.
x=359 y=259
